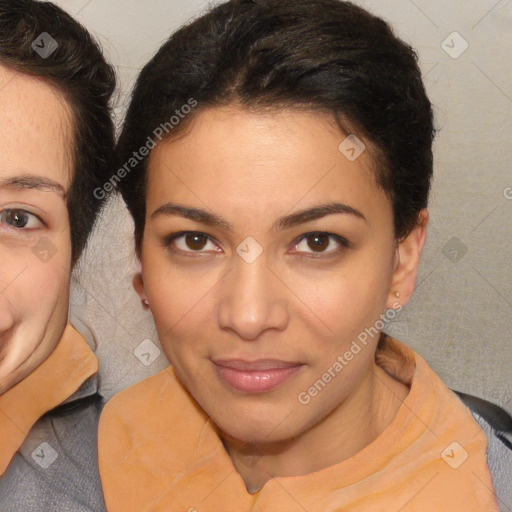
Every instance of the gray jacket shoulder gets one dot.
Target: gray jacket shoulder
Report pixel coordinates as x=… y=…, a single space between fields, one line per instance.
x=497 y=425
x=56 y=468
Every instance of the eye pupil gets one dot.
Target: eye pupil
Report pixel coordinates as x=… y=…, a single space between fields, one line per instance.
x=195 y=241
x=318 y=242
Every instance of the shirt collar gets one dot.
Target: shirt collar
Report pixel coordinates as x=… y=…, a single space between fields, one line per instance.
x=58 y=379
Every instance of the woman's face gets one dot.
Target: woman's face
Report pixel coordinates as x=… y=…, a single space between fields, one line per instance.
x=266 y=253
x=35 y=246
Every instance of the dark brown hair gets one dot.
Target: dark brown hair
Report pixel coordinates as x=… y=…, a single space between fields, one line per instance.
x=326 y=55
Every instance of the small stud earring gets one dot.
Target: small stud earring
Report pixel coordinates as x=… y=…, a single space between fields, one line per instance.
x=397 y=295
x=145 y=302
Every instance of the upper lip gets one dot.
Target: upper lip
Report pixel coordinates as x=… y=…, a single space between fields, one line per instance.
x=258 y=365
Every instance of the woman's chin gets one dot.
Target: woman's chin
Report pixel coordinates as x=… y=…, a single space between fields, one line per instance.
x=253 y=430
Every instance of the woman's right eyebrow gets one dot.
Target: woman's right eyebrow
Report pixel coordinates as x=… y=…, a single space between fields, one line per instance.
x=32 y=181
x=285 y=222
x=196 y=214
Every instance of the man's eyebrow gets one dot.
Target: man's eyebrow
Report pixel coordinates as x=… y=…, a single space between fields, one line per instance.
x=285 y=222
x=31 y=181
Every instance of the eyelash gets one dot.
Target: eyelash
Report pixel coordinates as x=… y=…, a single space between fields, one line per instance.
x=343 y=244
x=23 y=212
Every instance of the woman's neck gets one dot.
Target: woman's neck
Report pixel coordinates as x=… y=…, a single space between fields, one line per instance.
x=366 y=412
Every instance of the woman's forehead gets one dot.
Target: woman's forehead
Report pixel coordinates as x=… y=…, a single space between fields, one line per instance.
x=239 y=161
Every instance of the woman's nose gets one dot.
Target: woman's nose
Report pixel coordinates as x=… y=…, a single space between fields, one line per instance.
x=252 y=299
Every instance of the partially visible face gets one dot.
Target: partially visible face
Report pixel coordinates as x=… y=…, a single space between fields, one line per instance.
x=266 y=252
x=35 y=245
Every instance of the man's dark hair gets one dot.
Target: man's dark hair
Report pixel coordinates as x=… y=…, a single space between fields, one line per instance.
x=325 y=55
x=78 y=70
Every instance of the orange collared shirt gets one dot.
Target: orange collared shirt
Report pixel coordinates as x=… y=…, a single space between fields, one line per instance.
x=160 y=452
x=55 y=380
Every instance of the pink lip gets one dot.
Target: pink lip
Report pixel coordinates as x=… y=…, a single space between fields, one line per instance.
x=255 y=376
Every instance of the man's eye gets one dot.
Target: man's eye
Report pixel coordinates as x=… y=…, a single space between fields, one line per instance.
x=320 y=243
x=192 y=242
x=19 y=219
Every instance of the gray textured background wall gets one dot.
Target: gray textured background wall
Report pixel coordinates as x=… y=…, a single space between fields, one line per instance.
x=460 y=319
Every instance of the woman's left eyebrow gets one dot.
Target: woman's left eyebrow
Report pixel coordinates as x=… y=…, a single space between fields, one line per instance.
x=285 y=222
x=315 y=213
x=31 y=181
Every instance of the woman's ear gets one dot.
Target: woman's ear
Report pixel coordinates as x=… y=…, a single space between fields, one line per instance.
x=407 y=261
x=138 y=285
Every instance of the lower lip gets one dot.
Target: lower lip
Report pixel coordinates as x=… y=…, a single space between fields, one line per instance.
x=255 y=381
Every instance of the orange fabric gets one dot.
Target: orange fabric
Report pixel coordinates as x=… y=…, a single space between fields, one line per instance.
x=160 y=452
x=60 y=375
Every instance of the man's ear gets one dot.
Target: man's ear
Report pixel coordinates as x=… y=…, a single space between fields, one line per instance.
x=407 y=261
x=138 y=285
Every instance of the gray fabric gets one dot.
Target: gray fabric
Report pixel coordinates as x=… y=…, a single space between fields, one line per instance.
x=499 y=458
x=71 y=482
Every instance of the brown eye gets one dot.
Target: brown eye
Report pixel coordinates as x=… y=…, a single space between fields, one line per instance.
x=196 y=241
x=191 y=243
x=318 y=242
